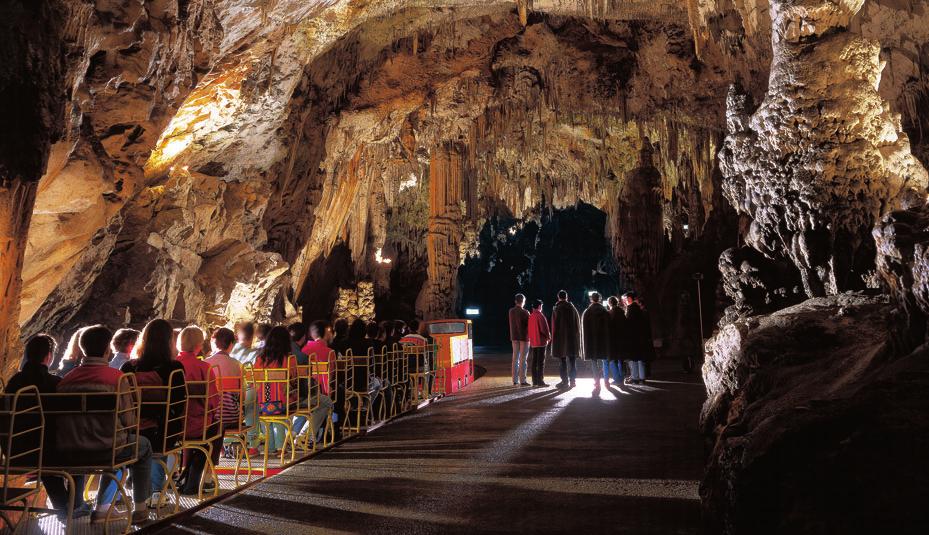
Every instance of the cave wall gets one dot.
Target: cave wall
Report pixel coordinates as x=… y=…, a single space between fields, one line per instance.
x=834 y=196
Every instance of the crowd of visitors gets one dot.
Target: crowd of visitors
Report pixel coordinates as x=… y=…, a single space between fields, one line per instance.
x=95 y=359
x=607 y=336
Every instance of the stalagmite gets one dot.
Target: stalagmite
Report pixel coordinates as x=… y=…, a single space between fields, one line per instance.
x=638 y=234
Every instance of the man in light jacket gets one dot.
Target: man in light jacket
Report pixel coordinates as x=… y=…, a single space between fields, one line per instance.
x=566 y=338
x=596 y=337
x=519 y=336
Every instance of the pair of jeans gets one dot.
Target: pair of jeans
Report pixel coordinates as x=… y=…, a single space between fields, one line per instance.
x=568 y=369
x=538 y=366
x=141 y=470
x=299 y=422
x=637 y=367
x=249 y=411
x=58 y=492
x=275 y=435
x=520 y=352
x=614 y=367
x=158 y=472
x=195 y=462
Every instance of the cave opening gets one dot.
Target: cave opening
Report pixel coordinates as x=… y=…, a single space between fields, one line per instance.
x=553 y=250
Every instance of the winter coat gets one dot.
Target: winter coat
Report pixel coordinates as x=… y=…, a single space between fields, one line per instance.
x=566 y=330
x=519 y=324
x=596 y=332
x=619 y=335
x=640 y=334
x=539 y=335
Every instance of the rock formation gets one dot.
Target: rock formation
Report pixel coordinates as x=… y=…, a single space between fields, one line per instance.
x=800 y=396
x=816 y=422
x=638 y=230
x=823 y=157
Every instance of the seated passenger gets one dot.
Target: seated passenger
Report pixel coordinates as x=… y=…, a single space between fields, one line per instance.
x=317 y=350
x=153 y=367
x=297 y=341
x=340 y=342
x=413 y=337
x=40 y=350
x=86 y=438
x=190 y=345
x=123 y=342
x=72 y=355
x=357 y=341
x=244 y=350
x=230 y=374
x=273 y=397
x=261 y=335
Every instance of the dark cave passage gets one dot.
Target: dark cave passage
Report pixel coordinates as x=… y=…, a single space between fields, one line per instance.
x=561 y=249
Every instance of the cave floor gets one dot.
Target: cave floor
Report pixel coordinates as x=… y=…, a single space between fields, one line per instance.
x=497 y=458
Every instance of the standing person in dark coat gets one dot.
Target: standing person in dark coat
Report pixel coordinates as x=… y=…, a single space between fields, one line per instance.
x=596 y=336
x=519 y=335
x=618 y=338
x=539 y=337
x=639 y=327
x=566 y=338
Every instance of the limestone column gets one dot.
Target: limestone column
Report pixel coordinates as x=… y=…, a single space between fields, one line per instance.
x=638 y=231
x=16 y=201
x=448 y=210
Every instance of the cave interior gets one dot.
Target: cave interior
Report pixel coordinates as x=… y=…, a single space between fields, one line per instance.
x=209 y=161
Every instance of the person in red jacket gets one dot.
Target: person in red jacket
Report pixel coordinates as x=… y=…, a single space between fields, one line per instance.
x=539 y=337
x=190 y=345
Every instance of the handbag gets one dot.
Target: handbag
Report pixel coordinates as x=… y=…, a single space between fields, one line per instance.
x=270 y=408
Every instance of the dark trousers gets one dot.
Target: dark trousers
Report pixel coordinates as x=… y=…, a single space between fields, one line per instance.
x=195 y=462
x=57 y=491
x=568 y=369
x=538 y=365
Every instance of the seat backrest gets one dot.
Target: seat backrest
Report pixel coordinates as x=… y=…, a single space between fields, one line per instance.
x=321 y=369
x=168 y=401
x=22 y=422
x=232 y=392
x=94 y=430
x=343 y=376
x=277 y=385
x=361 y=368
x=207 y=394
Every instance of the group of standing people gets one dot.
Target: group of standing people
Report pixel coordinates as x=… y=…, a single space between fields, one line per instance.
x=604 y=335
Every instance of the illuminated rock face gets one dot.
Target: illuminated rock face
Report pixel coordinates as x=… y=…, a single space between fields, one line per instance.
x=823 y=156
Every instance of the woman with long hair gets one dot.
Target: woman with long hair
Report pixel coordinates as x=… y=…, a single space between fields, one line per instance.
x=273 y=397
x=356 y=338
x=153 y=367
x=72 y=355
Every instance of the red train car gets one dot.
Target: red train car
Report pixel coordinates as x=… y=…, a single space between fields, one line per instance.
x=455 y=352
